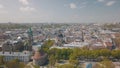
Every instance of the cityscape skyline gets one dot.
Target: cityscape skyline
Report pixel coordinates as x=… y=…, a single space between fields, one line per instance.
x=62 y=11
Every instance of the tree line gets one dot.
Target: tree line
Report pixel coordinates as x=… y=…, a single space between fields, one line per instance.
x=83 y=54
x=75 y=55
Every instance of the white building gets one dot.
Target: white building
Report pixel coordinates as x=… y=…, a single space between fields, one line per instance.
x=76 y=44
x=22 y=56
x=72 y=45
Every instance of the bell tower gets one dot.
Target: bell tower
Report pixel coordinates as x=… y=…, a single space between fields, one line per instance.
x=30 y=38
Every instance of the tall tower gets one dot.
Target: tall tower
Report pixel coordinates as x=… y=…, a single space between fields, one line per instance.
x=82 y=36
x=30 y=38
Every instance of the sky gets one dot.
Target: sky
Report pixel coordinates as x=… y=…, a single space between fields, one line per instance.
x=59 y=11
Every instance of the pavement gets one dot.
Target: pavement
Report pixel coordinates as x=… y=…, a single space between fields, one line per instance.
x=30 y=64
x=117 y=64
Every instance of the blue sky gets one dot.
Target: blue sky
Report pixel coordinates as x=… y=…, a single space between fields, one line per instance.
x=60 y=11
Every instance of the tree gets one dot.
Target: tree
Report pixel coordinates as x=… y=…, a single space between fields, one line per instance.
x=21 y=65
x=47 y=44
x=105 y=52
x=60 y=53
x=35 y=66
x=74 y=62
x=66 y=66
x=116 y=54
x=52 y=60
x=15 y=64
x=104 y=64
x=2 y=60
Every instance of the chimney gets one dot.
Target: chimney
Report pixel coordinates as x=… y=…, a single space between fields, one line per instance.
x=3 y=52
x=24 y=52
x=10 y=52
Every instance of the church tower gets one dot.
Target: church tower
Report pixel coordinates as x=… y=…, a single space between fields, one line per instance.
x=30 y=38
x=82 y=36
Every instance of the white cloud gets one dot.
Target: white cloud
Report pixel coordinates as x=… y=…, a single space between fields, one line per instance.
x=1 y=6
x=26 y=6
x=75 y=16
x=101 y=0
x=72 y=6
x=110 y=3
x=83 y=6
x=107 y=2
x=24 y=2
x=2 y=10
x=84 y=3
x=27 y=9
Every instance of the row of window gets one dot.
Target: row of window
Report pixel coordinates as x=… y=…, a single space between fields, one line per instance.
x=21 y=58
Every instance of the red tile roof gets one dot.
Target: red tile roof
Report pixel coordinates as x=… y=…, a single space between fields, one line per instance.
x=37 y=55
x=108 y=43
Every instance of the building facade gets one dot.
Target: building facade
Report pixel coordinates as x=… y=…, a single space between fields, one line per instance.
x=21 y=56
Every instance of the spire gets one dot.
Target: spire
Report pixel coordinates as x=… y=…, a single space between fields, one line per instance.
x=30 y=33
x=30 y=38
x=82 y=36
